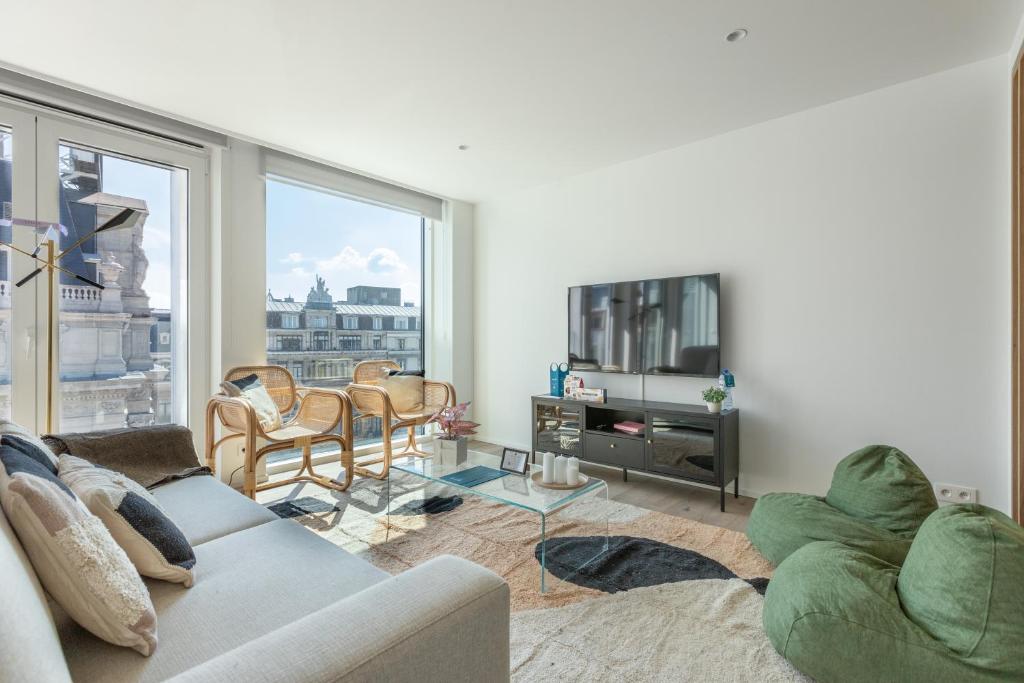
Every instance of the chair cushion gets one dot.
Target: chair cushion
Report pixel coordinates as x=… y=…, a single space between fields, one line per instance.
x=882 y=486
x=253 y=582
x=251 y=389
x=205 y=509
x=782 y=523
x=75 y=557
x=963 y=583
x=133 y=516
x=833 y=612
x=405 y=392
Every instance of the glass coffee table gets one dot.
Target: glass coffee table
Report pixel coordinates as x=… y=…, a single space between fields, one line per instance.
x=514 y=490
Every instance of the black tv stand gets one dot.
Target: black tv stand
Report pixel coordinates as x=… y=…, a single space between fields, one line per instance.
x=677 y=440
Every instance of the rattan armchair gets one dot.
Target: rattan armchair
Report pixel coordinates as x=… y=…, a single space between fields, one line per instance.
x=371 y=400
x=320 y=412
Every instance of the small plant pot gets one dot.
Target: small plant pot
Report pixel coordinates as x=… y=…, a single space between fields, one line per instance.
x=714 y=407
x=451 y=452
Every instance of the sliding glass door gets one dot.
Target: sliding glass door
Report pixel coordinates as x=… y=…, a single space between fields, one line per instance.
x=110 y=339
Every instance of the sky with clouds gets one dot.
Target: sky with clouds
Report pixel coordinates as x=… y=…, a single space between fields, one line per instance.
x=346 y=242
x=309 y=233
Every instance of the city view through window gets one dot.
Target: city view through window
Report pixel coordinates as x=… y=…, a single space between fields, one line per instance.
x=344 y=284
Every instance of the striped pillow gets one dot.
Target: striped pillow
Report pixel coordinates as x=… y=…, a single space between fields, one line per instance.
x=75 y=557
x=154 y=544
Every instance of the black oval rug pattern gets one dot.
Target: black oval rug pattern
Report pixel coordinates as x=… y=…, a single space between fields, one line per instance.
x=630 y=562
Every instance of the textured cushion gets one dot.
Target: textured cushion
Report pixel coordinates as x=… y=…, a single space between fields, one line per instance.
x=253 y=582
x=882 y=485
x=782 y=523
x=29 y=647
x=963 y=583
x=74 y=555
x=405 y=392
x=251 y=389
x=14 y=429
x=205 y=509
x=133 y=516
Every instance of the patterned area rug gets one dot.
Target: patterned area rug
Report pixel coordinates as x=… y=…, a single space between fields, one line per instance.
x=670 y=599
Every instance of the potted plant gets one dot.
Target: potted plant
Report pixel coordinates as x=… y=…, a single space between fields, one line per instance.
x=714 y=396
x=451 y=444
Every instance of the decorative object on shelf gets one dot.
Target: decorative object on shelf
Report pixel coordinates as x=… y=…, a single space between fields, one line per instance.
x=548 y=472
x=714 y=396
x=727 y=382
x=538 y=480
x=571 y=385
x=592 y=395
x=572 y=470
x=557 y=374
x=629 y=427
x=451 y=445
x=50 y=263
x=515 y=461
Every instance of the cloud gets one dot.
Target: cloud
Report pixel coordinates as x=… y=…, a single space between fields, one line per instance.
x=294 y=257
x=380 y=260
x=384 y=260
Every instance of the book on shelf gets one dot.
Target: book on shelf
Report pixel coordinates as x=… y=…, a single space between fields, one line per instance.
x=629 y=427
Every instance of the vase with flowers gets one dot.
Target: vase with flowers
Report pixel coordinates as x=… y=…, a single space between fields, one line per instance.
x=451 y=445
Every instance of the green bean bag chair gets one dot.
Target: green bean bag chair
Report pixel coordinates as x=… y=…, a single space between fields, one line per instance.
x=878 y=500
x=953 y=612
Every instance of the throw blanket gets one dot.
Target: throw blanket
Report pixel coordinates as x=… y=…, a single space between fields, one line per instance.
x=149 y=455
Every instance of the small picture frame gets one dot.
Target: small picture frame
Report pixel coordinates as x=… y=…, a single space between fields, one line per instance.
x=515 y=461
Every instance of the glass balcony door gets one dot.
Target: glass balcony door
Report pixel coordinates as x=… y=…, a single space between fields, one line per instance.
x=133 y=340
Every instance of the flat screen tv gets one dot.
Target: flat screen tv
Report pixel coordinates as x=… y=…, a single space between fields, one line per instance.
x=667 y=326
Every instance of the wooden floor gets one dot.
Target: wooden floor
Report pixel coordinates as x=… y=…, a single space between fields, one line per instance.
x=662 y=495
x=651 y=493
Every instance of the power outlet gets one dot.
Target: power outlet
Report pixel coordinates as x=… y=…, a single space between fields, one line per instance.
x=951 y=493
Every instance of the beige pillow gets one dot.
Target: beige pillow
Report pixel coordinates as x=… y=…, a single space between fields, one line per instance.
x=251 y=389
x=154 y=543
x=75 y=557
x=405 y=391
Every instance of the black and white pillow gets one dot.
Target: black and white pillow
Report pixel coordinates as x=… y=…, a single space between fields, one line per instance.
x=152 y=541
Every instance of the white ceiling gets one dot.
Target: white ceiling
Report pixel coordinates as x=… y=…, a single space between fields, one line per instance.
x=538 y=89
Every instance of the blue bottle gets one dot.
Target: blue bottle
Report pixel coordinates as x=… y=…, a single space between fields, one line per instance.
x=558 y=373
x=727 y=382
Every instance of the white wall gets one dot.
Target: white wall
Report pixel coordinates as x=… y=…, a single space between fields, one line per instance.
x=863 y=247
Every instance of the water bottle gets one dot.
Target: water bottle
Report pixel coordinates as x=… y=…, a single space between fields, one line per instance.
x=727 y=383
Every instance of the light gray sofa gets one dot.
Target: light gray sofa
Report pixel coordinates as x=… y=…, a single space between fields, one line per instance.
x=272 y=602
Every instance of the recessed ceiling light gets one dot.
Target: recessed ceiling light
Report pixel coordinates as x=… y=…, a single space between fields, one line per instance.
x=737 y=35
x=463 y=148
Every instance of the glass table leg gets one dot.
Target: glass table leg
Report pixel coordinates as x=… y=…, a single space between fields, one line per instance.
x=543 y=551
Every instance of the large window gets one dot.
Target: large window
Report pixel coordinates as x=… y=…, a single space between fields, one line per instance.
x=339 y=261
x=120 y=302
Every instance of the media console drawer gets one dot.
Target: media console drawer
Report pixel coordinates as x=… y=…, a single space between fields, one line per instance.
x=624 y=451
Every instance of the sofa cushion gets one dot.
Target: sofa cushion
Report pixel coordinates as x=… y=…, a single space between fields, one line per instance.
x=253 y=582
x=962 y=583
x=782 y=523
x=405 y=392
x=154 y=544
x=29 y=646
x=205 y=509
x=252 y=390
x=75 y=557
x=14 y=429
x=882 y=486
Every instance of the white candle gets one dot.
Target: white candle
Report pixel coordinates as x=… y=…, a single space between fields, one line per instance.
x=560 y=463
x=572 y=471
x=548 y=477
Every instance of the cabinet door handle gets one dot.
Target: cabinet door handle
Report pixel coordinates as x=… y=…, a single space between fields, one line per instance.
x=651 y=441
x=611 y=445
